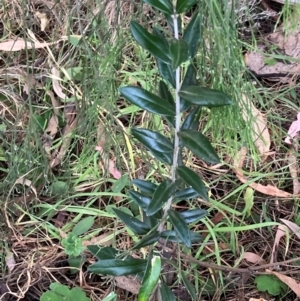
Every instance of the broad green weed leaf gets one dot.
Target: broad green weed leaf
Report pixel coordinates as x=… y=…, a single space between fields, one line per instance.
x=193 y=215
x=189 y=286
x=147 y=101
x=199 y=145
x=83 y=226
x=152 y=140
x=103 y=252
x=183 y=6
x=118 y=267
x=154 y=44
x=165 y=293
x=77 y=294
x=270 y=284
x=204 y=97
x=192 y=35
x=137 y=226
x=180 y=227
x=179 y=52
x=164 y=6
x=172 y=236
x=147 y=240
x=60 y=289
x=191 y=122
x=120 y=184
x=141 y=200
x=193 y=179
x=162 y=193
x=150 y=278
x=144 y=186
x=185 y=194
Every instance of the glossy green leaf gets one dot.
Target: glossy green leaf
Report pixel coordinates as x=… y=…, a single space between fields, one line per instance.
x=172 y=236
x=147 y=101
x=144 y=186
x=204 y=97
x=171 y=23
x=192 y=35
x=193 y=180
x=183 y=6
x=153 y=140
x=137 y=226
x=189 y=286
x=103 y=252
x=165 y=293
x=166 y=94
x=141 y=200
x=164 y=6
x=180 y=227
x=152 y=221
x=118 y=267
x=179 y=52
x=166 y=72
x=162 y=193
x=147 y=240
x=150 y=278
x=193 y=215
x=185 y=194
x=154 y=44
x=192 y=120
x=84 y=225
x=199 y=145
x=166 y=158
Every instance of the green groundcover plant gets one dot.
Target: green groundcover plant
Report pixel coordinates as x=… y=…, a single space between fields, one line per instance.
x=179 y=103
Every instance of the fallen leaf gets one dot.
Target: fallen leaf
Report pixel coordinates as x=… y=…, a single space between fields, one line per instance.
x=293 y=130
x=253 y=258
x=290 y=282
x=10 y=261
x=103 y=240
x=294 y=170
x=52 y=127
x=292 y=226
x=260 y=299
x=44 y=20
x=56 y=86
x=128 y=283
x=258 y=126
x=281 y=232
x=27 y=183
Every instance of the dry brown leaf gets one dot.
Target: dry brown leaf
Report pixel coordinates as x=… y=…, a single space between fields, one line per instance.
x=253 y=258
x=102 y=240
x=56 y=86
x=281 y=231
x=260 y=299
x=290 y=282
x=258 y=125
x=27 y=183
x=292 y=226
x=294 y=170
x=10 y=261
x=268 y=189
x=21 y=44
x=128 y=283
x=52 y=126
x=44 y=20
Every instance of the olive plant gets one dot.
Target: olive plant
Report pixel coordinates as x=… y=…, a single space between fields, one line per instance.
x=179 y=103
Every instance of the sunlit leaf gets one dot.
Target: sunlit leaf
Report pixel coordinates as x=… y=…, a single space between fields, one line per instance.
x=183 y=6
x=199 y=145
x=147 y=101
x=192 y=35
x=164 y=6
x=179 y=52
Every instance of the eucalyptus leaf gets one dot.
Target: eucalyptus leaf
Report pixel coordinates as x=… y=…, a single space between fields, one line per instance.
x=118 y=267
x=144 y=186
x=147 y=101
x=193 y=179
x=180 y=227
x=199 y=145
x=204 y=97
x=179 y=52
x=164 y=6
x=147 y=240
x=192 y=35
x=154 y=44
x=183 y=6
x=137 y=226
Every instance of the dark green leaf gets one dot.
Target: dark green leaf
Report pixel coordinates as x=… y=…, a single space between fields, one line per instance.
x=141 y=200
x=192 y=35
x=147 y=240
x=180 y=227
x=162 y=193
x=185 y=194
x=199 y=145
x=179 y=52
x=165 y=293
x=118 y=267
x=154 y=44
x=166 y=94
x=84 y=225
x=147 y=101
x=171 y=22
x=150 y=278
x=191 y=122
x=152 y=220
x=164 y=6
x=145 y=187
x=137 y=226
x=166 y=158
x=183 y=6
x=193 y=215
x=152 y=140
x=193 y=179
x=103 y=252
x=189 y=286
x=204 y=96
x=172 y=236
x=166 y=72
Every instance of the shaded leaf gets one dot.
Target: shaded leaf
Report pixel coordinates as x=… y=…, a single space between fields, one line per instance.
x=137 y=226
x=166 y=94
x=189 y=286
x=193 y=179
x=180 y=227
x=193 y=215
x=152 y=220
x=145 y=187
x=164 y=6
x=141 y=200
x=162 y=193
x=185 y=194
x=199 y=145
x=166 y=72
x=179 y=51
x=192 y=35
x=83 y=226
x=103 y=252
x=171 y=22
x=154 y=44
x=183 y=6
x=147 y=101
x=118 y=267
x=172 y=236
x=204 y=97
x=166 y=158
x=147 y=240
x=165 y=293
x=191 y=122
